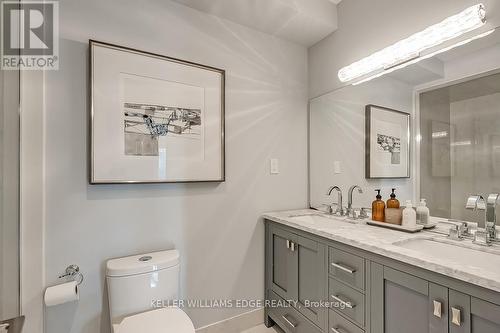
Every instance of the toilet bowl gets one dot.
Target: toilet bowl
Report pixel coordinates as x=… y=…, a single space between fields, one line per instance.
x=136 y=284
x=165 y=320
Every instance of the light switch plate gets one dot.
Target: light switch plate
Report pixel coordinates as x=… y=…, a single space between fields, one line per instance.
x=275 y=166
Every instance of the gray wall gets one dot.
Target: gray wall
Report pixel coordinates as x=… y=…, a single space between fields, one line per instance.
x=337 y=133
x=366 y=26
x=216 y=227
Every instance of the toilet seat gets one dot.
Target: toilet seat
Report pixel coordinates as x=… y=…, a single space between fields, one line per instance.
x=164 y=320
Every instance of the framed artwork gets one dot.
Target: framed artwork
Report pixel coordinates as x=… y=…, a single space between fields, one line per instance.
x=153 y=118
x=387 y=140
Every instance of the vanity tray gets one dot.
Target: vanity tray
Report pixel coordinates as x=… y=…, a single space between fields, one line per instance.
x=430 y=225
x=416 y=228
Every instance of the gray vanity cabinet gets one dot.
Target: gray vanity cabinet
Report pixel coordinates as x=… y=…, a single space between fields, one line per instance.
x=298 y=273
x=472 y=315
x=380 y=295
x=405 y=303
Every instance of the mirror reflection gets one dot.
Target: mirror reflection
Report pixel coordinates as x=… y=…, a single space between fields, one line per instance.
x=452 y=99
x=460 y=147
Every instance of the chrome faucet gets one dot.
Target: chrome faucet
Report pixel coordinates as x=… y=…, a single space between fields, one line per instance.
x=491 y=216
x=350 y=211
x=477 y=202
x=340 y=209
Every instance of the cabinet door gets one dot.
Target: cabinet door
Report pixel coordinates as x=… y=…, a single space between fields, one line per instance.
x=312 y=277
x=438 y=308
x=404 y=303
x=284 y=263
x=459 y=312
x=485 y=317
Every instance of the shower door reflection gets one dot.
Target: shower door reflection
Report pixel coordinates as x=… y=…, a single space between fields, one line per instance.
x=460 y=147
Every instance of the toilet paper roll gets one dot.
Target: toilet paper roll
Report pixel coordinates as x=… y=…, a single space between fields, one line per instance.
x=62 y=293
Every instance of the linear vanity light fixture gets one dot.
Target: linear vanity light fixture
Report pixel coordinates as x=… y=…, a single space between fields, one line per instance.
x=427 y=56
x=409 y=50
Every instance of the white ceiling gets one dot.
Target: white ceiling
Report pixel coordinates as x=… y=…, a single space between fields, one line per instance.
x=301 y=21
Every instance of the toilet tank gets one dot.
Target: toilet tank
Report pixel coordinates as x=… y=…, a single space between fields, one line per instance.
x=136 y=282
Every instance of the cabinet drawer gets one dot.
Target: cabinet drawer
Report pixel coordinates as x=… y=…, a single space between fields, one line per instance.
x=348 y=268
x=347 y=301
x=289 y=319
x=339 y=324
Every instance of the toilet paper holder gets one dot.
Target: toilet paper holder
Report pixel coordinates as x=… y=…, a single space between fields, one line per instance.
x=73 y=272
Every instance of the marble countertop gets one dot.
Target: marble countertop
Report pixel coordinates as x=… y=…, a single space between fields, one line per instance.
x=385 y=242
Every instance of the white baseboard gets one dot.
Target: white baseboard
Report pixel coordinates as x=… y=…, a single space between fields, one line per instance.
x=235 y=324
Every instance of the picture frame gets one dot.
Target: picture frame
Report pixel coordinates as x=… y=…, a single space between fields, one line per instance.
x=154 y=118
x=387 y=143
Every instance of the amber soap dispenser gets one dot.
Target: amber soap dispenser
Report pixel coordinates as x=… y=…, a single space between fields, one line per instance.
x=378 y=208
x=393 y=202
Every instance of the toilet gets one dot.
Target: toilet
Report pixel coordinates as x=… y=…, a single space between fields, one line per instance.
x=135 y=284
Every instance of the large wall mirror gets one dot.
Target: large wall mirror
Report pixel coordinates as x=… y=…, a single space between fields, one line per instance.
x=453 y=99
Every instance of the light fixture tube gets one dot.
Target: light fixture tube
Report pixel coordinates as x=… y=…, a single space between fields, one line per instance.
x=400 y=52
x=427 y=56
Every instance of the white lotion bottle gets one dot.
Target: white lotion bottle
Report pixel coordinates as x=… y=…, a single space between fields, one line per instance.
x=422 y=213
x=409 y=215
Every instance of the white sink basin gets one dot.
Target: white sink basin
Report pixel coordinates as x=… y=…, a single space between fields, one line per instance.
x=316 y=219
x=464 y=256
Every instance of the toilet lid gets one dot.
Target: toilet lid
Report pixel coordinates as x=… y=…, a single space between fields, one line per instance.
x=164 y=320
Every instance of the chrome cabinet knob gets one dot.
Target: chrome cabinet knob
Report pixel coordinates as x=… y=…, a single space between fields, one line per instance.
x=456 y=316
x=438 y=309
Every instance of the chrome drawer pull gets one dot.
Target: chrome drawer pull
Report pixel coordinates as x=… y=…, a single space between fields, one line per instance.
x=288 y=321
x=346 y=303
x=456 y=318
x=344 y=268
x=438 y=309
x=287 y=244
x=338 y=330
x=4 y=327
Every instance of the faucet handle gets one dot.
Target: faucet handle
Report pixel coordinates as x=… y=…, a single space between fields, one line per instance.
x=363 y=214
x=463 y=226
x=352 y=213
x=482 y=237
x=358 y=213
x=341 y=211
x=454 y=233
x=330 y=208
x=475 y=202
